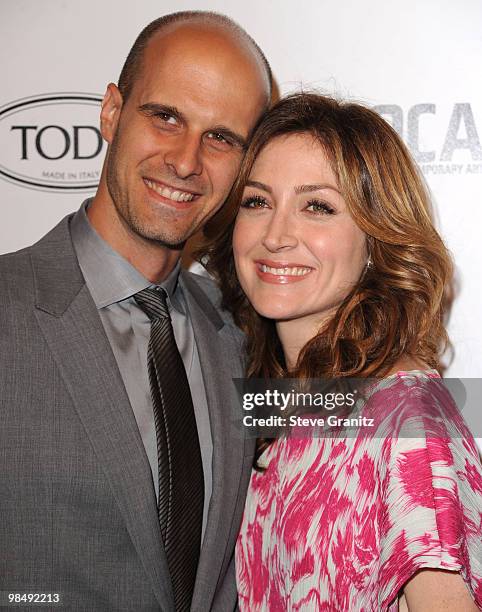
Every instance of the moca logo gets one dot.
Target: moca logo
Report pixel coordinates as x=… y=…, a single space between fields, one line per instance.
x=451 y=146
x=51 y=142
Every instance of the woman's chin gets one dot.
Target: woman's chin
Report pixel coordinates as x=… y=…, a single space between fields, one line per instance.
x=277 y=312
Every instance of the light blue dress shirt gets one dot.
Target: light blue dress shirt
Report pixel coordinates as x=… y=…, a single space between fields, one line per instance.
x=112 y=282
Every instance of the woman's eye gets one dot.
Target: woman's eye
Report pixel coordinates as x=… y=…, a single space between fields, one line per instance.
x=254 y=202
x=319 y=207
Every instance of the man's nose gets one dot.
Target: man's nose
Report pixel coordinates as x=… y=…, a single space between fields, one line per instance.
x=184 y=156
x=281 y=233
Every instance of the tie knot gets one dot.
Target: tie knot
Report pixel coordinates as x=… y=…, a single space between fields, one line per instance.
x=153 y=302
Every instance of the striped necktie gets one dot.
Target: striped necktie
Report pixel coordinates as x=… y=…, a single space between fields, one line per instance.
x=181 y=480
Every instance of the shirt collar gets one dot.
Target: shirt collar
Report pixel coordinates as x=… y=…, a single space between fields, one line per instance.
x=109 y=277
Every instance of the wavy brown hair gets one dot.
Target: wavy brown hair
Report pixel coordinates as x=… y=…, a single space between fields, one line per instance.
x=397 y=307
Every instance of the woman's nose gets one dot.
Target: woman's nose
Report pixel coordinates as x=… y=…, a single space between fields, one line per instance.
x=280 y=234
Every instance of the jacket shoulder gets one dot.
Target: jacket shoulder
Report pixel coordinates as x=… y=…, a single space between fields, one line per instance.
x=207 y=284
x=16 y=271
x=213 y=293
x=18 y=266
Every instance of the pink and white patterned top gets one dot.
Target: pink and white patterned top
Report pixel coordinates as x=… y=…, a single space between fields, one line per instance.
x=342 y=523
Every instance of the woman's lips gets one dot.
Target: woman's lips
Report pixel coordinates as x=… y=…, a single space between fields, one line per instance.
x=281 y=272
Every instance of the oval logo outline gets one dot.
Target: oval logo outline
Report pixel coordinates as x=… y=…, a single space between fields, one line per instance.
x=40 y=100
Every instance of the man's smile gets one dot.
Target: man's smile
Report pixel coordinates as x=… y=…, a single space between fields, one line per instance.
x=170 y=193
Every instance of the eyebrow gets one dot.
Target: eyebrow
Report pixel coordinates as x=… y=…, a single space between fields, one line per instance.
x=298 y=189
x=152 y=108
x=315 y=187
x=259 y=185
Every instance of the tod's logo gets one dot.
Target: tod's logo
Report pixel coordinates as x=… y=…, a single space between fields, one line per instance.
x=52 y=142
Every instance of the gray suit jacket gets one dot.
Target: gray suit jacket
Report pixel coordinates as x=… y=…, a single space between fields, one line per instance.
x=77 y=506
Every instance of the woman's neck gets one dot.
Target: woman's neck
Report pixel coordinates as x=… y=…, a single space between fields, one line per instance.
x=294 y=334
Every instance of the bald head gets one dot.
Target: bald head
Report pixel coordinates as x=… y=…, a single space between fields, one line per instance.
x=222 y=35
x=177 y=129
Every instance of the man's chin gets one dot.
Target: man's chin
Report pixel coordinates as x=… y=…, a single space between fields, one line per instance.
x=170 y=240
x=173 y=246
x=160 y=239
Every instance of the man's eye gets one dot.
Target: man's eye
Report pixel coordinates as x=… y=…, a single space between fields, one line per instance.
x=167 y=118
x=254 y=202
x=218 y=138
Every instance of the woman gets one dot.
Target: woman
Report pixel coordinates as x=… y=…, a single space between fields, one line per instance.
x=342 y=274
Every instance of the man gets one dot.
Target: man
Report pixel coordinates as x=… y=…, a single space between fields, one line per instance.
x=122 y=480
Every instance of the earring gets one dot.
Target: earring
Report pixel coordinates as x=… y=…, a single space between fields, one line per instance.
x=369 y=262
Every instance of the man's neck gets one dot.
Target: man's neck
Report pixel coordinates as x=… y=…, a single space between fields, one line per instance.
x=154 y=261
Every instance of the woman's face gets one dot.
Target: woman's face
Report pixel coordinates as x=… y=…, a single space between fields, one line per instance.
x=298 y=252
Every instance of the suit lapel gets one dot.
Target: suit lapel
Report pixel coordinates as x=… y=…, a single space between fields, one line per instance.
x=220 y=362
x=72 y=327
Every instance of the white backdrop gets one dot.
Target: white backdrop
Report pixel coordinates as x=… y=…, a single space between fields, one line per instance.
x=419 y=60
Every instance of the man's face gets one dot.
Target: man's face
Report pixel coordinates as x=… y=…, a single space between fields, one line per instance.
x=177 y=141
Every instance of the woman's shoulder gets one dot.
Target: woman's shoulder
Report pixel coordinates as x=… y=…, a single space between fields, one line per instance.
x=413 y=405
x=409 y=385
x=410 y=388
x=410 y=366
x=403 y=380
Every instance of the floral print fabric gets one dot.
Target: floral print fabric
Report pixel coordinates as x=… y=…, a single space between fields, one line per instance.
x=342 y=523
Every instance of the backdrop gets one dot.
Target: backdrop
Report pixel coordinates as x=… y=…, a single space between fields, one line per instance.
x=418 y=62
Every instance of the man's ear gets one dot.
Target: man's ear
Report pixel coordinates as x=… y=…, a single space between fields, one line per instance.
x=110 y=113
